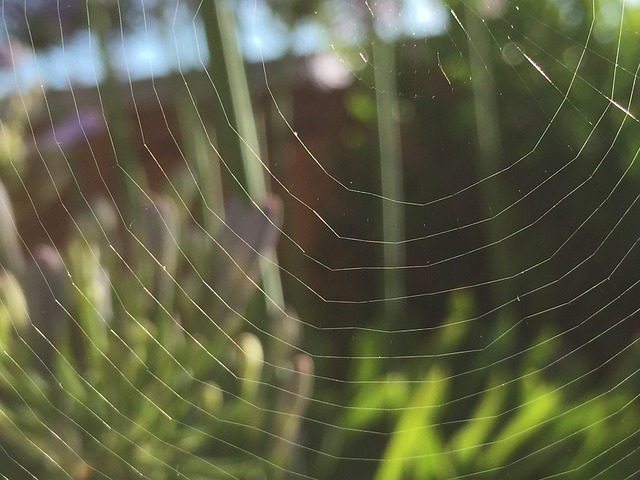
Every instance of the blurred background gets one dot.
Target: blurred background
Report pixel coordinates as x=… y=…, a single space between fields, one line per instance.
x=321 y=239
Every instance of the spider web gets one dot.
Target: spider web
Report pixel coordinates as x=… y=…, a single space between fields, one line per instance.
x=410 y=252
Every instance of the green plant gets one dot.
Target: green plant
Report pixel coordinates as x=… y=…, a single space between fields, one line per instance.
x=108 y=372
x=486 y=412
x=131 y=347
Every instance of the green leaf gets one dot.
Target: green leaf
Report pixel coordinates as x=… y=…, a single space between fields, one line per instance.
x=416 y=448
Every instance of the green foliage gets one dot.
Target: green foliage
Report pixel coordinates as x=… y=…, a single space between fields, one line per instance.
x=117 y=385
x=475 y=415
x=128 y=349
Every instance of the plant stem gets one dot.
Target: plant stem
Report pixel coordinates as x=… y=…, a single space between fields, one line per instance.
x=391 y=177
x=237 y=137
x=118 y=123
x=489 y=147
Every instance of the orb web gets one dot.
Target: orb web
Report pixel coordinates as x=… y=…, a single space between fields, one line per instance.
x=282 y=240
